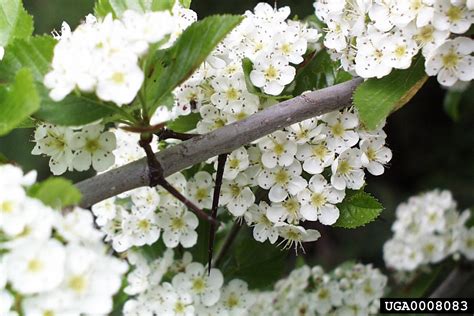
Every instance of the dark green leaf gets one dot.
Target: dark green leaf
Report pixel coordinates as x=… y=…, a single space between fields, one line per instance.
x=15 y=22
x=18 y=101
x=184 y=124
x=247 y=67
x=56 y=192
x=3 y=159
x=358 y=209
x=377 y=98
x=172 y=67
x=74 y=110
x=259 y=264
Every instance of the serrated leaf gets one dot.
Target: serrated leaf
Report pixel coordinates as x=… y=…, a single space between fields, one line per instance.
x=375 y=99
x=56 y=192
x=118 y=7
x=35 y=53
x=358 y=209
x=173 y=66
x=15 y=22
x=184 y=124
x=18 y=101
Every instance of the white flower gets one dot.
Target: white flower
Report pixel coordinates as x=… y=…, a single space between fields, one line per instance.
x=306 y=131
x=104 y=211
x=452 y=61
x=326 y=296
x=56 y=142
x=93 y=146
x=295 y=236
x=371 y=60
x=319 y=201
x=36 y=267
x=400 y=49
x=212 y=118
x=145 y=198
x=236 y=298
x=467 y=243
x=315 y=156
x=140 y=227
x=282 y=181
x=455 y=18
x=78 y=226
x=277 y=149
x=205 y=288
x=236 y=162
x=404 y=11
x=375 y=155
x=340 y=130
x=427 y=37
x=120 y=80
x=178 y=227
x=231 y=94
x=263 y=228
x=289 y=44
x=176 y=302
x=288 y=210
x=272 y=74
x=237 y=195
x=347 y=170
x=200 y=188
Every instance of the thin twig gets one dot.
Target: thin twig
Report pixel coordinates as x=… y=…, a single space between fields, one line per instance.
x=231 y=236
x=169 y=134
x=156 y=177
x=215 y=204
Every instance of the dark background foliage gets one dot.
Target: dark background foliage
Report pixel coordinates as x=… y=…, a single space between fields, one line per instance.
x=431 y=150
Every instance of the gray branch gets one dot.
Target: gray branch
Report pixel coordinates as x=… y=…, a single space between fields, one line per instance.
x=220 y=141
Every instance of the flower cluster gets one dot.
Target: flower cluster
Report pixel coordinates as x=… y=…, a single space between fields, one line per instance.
x=103 y=56
x=428 y=229
x=372 y=37
x=351 y=289
x=75 y=149
x=168 y=286
x=51 y=263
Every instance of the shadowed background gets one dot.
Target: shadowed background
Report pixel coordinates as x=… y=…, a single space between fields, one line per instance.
x=430 y=150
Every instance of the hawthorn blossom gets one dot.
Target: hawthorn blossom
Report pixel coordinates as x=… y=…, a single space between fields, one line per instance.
x=347 y=170
x=455 y=18
x=200 y=188
x=237 y=195
x=93 y=146
x=452 y=61
x=272 y=74
x=178 y=227
x=277 y=149
x=295 y=236
x=319 y=199
x=375 y=155
x=339 y=130
x=263 y=228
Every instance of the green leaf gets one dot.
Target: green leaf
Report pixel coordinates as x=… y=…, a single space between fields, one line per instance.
x=173 y=66
x=185 y=3
x=247 y=67
x=451 y=103
x=118 y=7
x=184 y=124
x=18 y=101
x=15 y=22
x=358 y=209
x=259 y=264
x=3 y=159
x=56 y=192
x=35 y=53
x=320 y=72
x=377 y=98
x=74 y=110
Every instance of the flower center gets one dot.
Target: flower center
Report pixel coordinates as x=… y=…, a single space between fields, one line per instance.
x=118 y=78
x=235 y=189
x=234 y=163
x=286 y=48
x=6 y=207
x=317 y=199
x=177 y=223
x=144 y=225
x=199 y=285
x=371 y=154
x=344 y=167
x=426 y=34
x=77 y=283
x=450 y=60
x=323 y=294
x=232 y=301
x=92 y=145
x=400 y=51
x=48 y=313
x=281 y=177
x=320 y=151
x=35 y=265
x=271 y=73
x=179 y=307
x=279 y=149
x=337 y=130
x=454 y=14
x=201 y=194
x=232 y=94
